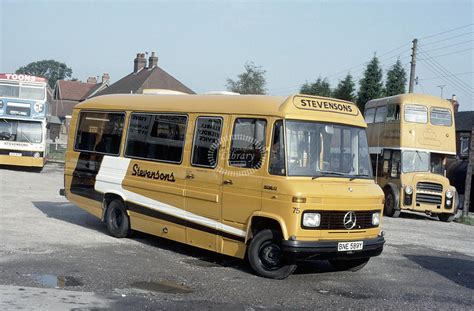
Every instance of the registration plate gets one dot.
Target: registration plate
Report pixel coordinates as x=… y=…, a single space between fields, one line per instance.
x=15 y=154
x=350 y=246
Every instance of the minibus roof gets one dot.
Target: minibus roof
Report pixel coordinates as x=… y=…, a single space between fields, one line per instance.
x=411 y=98
x=302 y=107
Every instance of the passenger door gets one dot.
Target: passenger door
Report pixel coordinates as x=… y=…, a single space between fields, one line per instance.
x=203 y=197
x=242 y=184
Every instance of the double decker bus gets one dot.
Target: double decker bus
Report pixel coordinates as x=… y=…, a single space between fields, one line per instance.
x=23 y=110
x=410 y=137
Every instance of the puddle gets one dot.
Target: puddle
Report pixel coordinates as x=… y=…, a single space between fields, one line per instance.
x=56 y=281
x=168 y=287
x=202 y=263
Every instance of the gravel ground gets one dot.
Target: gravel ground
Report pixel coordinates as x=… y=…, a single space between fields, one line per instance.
x=55 y=256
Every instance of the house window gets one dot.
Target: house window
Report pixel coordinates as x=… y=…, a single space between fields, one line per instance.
x=464 y=145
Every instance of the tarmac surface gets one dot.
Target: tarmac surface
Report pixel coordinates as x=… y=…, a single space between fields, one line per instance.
x=55 y=256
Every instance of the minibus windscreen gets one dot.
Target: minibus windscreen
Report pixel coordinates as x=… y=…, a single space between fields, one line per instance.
x=322 y=149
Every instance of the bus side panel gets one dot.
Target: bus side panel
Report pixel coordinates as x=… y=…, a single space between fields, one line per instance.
x=156 y=198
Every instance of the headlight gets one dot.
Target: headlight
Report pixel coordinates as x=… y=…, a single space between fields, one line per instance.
x=408 y=190
x=38 y=107
x=449 y=194
x=36 y=155
x=376 y=219
x=311 y=220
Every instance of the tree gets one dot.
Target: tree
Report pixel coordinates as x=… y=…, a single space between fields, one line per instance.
x=345 y=89
x=370 y=86
x=319 y=88
x=49 y=69
x=252 y=81
x=396 y=80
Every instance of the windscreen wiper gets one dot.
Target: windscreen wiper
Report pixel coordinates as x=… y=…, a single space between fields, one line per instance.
x=357 y=176
x=326 y=174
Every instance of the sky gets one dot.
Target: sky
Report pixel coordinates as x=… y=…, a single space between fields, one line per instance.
x=203 y=43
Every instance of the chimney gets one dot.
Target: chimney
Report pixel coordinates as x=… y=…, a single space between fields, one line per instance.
x=455 y=103
x=139 y=62
x=105 y=77
x=152 y=61
x=92 y=80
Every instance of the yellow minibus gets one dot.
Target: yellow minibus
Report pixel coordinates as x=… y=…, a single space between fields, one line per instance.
x=273 y=179
x=410 y=137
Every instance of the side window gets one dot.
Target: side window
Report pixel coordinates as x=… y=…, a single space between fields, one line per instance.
x=277 y=153
x=99 y=132
x=416 y=113
x=393 y=112
x=248 y=143
x=156 y=137
x=395 y=165
x=206 y=141
x=369 y=115
x=380 y=114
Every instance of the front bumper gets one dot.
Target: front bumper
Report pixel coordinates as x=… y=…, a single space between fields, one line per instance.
x=328 y=249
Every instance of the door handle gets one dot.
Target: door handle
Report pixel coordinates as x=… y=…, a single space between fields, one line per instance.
x=228 y=182
x=190 y=176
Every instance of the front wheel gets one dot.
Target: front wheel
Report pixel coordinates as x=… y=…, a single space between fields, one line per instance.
x=266 y=257
x=446 y=217
x=349 y=264
x=390 y=207
x=117 y=220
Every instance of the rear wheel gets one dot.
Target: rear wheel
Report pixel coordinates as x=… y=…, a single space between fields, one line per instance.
x=266 y=257
x=349 y=264
x=117 y=220
x=446 y=217
x=390 y=207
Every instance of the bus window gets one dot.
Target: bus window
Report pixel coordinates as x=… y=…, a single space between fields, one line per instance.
x=206 y=142
x=416 y=113
x=156 y=137
x=395 y=164
x=393 y=112
x=415 y=161
x=438 y=162
x=248 y=143
x=369 y=115
x=277 y=153
x=99 y=132
x=380 y=114
x=440 y=116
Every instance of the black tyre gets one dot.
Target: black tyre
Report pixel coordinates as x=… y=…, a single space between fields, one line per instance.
x=390 y=208
x=117 y=220
x=266 y=257
x=446 y=217
x=349 y=264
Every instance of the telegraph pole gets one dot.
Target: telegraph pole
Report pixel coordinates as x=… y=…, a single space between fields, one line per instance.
x=413 y=65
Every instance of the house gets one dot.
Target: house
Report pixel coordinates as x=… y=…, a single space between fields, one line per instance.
x=69 y=93
x=456 y=169
x=145 y=76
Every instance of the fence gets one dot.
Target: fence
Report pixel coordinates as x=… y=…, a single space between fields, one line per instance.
x=56 y=152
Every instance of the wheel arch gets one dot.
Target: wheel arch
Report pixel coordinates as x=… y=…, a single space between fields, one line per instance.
x=260 y=220
x=109 y=197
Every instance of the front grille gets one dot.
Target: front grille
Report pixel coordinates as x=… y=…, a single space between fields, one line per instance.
x=334 y=220
x=429 y=198
x=429 y=186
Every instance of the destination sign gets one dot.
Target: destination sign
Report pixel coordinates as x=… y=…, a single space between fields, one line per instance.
x=326 y=105
x=21 y=77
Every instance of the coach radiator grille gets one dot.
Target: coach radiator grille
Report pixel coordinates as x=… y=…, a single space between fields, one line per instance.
x=429 y=186
x=334 y=220
x=430 y=193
